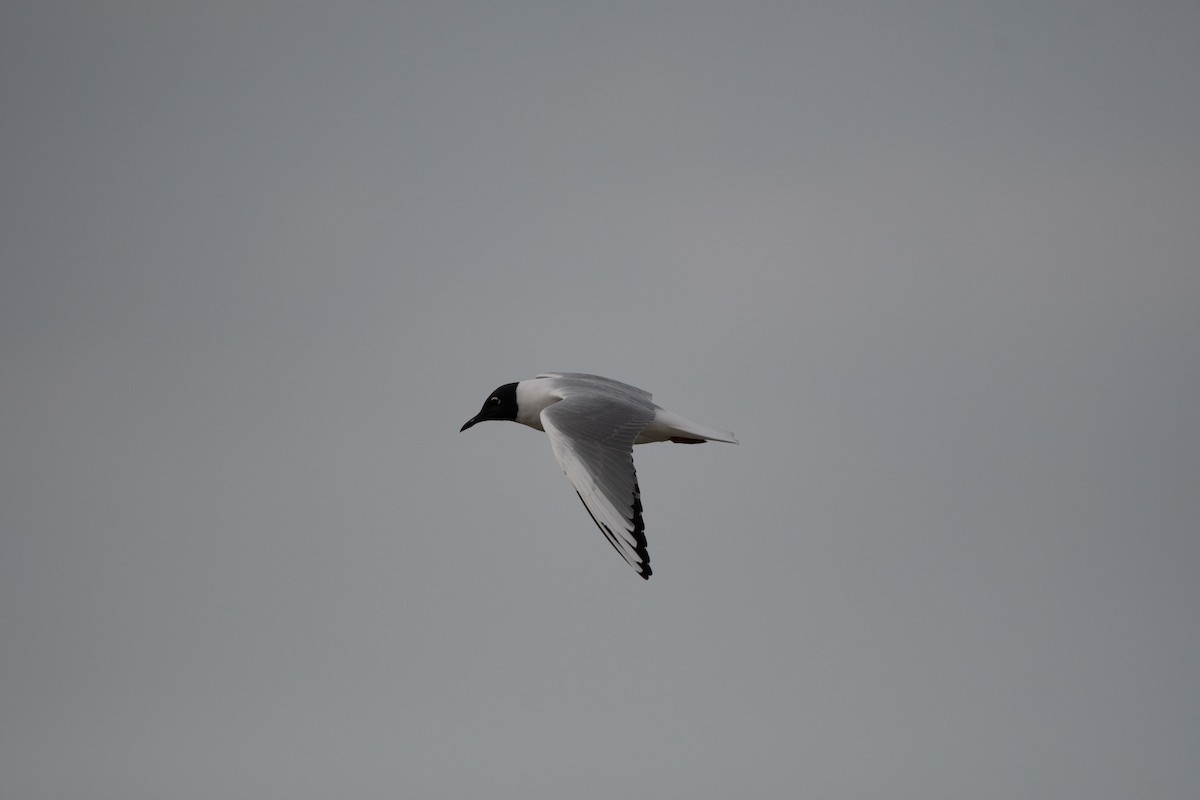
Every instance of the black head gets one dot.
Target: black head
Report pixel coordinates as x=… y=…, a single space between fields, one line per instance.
x=501 y=405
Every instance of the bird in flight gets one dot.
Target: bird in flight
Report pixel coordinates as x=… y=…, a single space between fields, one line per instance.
x=593 y=424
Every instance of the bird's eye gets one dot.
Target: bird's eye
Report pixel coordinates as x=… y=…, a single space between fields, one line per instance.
x=495 y=401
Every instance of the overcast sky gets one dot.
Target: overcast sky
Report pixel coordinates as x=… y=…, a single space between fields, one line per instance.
x=937 y=264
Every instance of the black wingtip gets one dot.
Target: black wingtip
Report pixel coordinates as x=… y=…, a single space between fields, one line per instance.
x=639 y=535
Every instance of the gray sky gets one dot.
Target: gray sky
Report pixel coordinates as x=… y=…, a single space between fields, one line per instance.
x=937 y=265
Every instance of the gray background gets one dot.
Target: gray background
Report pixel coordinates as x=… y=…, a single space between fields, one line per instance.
x=936 y=263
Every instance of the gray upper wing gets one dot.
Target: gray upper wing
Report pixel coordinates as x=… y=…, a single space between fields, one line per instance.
x=592 y=438
x=598 y=383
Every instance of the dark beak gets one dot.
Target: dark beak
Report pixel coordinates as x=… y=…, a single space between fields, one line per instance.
x=468 y=424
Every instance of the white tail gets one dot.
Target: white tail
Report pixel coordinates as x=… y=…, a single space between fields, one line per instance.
x=669 y=427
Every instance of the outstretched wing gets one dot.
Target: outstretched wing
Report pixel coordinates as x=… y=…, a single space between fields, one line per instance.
x=600 y=383
x=593 y=442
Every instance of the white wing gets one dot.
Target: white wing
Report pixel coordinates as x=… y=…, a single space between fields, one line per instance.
x=592 y=439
